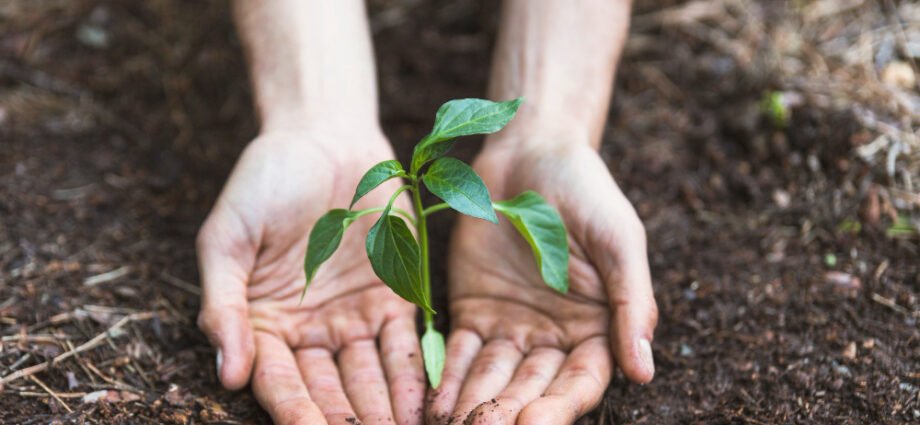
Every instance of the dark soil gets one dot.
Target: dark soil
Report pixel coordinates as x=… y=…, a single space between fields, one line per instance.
x=775 y=306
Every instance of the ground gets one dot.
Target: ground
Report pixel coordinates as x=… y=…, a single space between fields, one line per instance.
x=783 y=240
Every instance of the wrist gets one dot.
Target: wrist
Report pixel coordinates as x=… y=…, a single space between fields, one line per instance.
x=296 y=113
x=331 y=137
x=513 y=152
x=538 y=133
x=308 y=61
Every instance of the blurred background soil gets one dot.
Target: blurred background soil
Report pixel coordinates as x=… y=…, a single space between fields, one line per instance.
x=770 y=148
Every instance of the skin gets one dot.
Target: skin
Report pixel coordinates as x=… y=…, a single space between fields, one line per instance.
x=350 y=350
x=554 y=360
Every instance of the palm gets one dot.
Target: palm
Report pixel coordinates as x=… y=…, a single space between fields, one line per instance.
x=532 y=340
x=496 y=266
x=334 y=311
x=278 y=190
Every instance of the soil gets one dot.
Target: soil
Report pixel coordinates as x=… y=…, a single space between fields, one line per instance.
x=783 y=297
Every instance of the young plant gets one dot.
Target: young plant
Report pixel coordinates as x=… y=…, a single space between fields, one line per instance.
x=399 y=258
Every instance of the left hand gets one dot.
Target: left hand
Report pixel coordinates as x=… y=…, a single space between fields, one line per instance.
x=346 y=352
x=519 y=352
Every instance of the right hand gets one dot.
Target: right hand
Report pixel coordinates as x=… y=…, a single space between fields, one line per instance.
x=520 y=352
x=316 y=361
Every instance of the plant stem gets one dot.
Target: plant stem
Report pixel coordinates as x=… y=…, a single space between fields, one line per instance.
x=421 y=227
x=406 y=214
x=435 y=208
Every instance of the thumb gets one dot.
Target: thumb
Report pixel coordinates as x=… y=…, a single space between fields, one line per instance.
x=625 y=269
x=224 y=262
x=633 y=321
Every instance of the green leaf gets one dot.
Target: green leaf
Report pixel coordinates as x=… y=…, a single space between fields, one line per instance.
x=458 y=185
x=396 y=258
x=433 y=354
x=903 y=227
x=462 y=117
x=374 y=177
x=849 y=225
x=429 y=152
x=542 y=227
x=324 y=240
x=774 y=105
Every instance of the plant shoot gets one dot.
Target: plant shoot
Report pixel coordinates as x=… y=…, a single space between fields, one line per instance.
x=399 y=258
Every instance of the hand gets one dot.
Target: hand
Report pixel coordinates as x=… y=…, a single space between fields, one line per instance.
x=520 y=352
x=315 y=361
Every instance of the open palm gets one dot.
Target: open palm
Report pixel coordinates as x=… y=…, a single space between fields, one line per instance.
x=315 y=361
x=519 y=352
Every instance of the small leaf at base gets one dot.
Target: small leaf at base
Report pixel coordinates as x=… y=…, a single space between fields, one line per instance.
x=433 y=355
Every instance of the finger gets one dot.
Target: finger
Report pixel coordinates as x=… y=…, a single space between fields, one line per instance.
x=402 y=362
x=577 y=388
x=224 y=315
x=617 y=246
x=321 y=376
x=365 y=383
x=277 y=384
x=635 y=313
x=462 y=346
x=530 y=380
x=489 y=374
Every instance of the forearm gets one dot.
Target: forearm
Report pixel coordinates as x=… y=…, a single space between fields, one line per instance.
x=309 y=61
x=561 y=55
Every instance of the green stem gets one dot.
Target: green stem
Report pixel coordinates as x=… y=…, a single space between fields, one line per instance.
x=406 y=214
x=421 y=227
x=435 y=208
x=395 y=195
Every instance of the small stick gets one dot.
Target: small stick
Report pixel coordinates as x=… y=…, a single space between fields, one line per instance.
x=54 y=320
x=890 y=303
x=114 y=384
x=21 y=360
x=80 y=363
x=181 y=284
x=61 y=395
x=98 y=339
x=107 y=276
x=108 y=310
x=35 y=338
x=100 y=374
x=53 y=394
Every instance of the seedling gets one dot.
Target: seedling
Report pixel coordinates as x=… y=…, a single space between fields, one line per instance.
x=399 y=258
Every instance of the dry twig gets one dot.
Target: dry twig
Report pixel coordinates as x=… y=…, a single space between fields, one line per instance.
x=52 y=393
x=98 y=339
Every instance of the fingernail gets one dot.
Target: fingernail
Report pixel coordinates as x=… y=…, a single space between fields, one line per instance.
x=646 y=357
x=220 y=360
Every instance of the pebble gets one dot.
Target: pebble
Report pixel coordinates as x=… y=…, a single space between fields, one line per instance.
x=841 y=369
x=782 y=198
x=850 y=351
x=843 y=280
x=899 y=74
